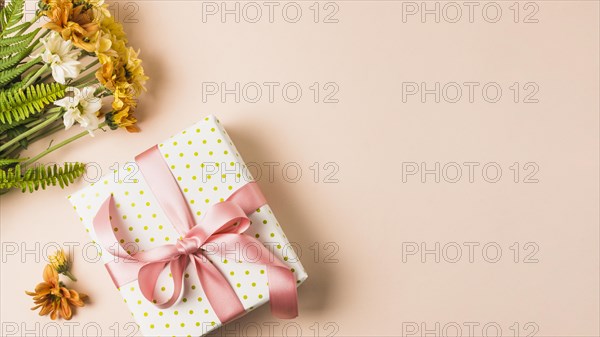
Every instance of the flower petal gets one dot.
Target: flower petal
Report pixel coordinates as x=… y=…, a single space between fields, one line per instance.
x=69 y=118
x=58 y=74
x=50 y=275
x=65 y=309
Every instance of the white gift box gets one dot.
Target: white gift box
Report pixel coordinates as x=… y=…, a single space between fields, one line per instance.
x=208 y=169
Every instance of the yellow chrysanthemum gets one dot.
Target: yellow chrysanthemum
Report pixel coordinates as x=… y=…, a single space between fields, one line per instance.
x=135 y=71
x=61 y=263
x=100 y=8
x=104 y=50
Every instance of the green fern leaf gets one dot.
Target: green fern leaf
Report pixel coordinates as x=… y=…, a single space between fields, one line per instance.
x=10 y=74
x=7 y=162
x=21 y=46
x=22 y=26
x=14 y=124
x=13 y=48
x=12 y=60
x=11 y=14
x=20 y=104
x=7 y=41
x=15 y=132
x=40 y=176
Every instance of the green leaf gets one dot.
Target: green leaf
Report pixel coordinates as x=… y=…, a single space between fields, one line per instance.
x=7 y=162
x=8 y=126
x=11 y=14
x=16 y=28
x=10 y=74
x=15 y=132
x=19 y=104
x=15 y=48
x=40 y=176
x=14 y=59
x=7 y=41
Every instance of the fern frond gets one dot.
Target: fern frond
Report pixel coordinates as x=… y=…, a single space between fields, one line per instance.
x=13 y=48
x=14 y=124
x=19 y=104
x=40 y=176
x=16 y=28
x=11 y=14
x=7 y=41
x=10 y=74
x=16 y=132
x=14 y=59
x=6 y=162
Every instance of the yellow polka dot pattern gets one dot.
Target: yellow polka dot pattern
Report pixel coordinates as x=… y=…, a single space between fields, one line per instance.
x=208 y=169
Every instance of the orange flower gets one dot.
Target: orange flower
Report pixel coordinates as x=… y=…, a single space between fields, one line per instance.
x=73 y=23
x=54 y=298
x=123 y=118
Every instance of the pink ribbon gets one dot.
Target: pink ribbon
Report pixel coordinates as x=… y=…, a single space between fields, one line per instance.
x=222 y=228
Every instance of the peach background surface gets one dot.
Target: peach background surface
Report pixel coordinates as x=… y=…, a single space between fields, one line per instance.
x=353 y=227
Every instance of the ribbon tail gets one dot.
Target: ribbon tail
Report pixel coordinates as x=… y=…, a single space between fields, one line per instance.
x=220 y=294
x=283 y=293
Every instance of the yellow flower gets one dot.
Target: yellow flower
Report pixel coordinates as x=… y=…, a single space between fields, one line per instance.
x=100 y=8
x=121 y=71
x=73 y=23
x=60 y=262
x=135 y=71
x=110 y=27
x=54 y=298
x=124 y=118
x=104 y=50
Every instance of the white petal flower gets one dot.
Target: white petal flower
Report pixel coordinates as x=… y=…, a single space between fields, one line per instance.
x=82 y=108
x=61 y=57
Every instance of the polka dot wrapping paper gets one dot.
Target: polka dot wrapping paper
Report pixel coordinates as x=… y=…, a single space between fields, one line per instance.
x=208 y=169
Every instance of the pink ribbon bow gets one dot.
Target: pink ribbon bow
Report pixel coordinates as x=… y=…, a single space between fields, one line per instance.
x=221 y=230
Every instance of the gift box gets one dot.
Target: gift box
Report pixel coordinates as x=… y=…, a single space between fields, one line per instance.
x=130 y=215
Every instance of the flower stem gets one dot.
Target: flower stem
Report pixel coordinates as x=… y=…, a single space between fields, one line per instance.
x=84 y=79
x=70 y=275
x=59 y=145
x=93 y=63
x=88 y=83
x=36 y=75
x=45 y=133
x=31 y=131
x=13 y=151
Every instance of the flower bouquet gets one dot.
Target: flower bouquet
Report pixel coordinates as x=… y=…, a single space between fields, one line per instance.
x=75 y=67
